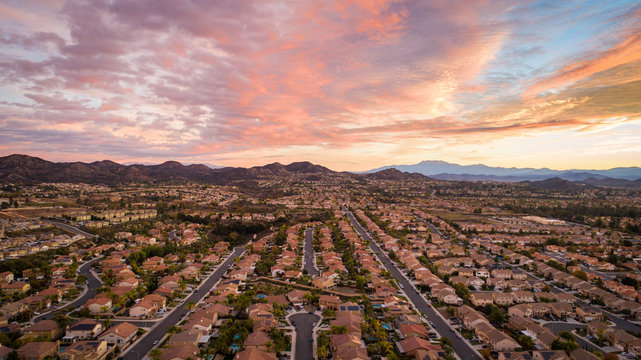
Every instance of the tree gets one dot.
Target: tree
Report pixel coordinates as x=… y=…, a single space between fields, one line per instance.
x=611 y=356
x=155 y=354
x=526 y=342
x=339 y=330
x=630 y=281
x=322 y=351
x=280 y=340
x=496 y=314
x=581 y=275
x=174 y=329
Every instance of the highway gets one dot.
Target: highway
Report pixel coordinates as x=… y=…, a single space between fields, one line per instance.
x=308 y=249
x=304 y=324
x=142 y=347
x=94 y=284
x=462 y=348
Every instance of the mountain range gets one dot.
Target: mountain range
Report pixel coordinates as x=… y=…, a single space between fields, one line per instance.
x=26 y=169
x=447 y=171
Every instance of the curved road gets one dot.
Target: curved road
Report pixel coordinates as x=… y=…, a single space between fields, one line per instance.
x=159 y=330
x=308 y=258
x=304 y=324
x=557 y=327
x=94 y=284
x=71 y=229
x=462 y=348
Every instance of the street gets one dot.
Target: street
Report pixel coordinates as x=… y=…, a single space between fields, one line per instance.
x=304 y=324
x=308 y=259
x=94 y=284
x=138 y=351
x=463 y=349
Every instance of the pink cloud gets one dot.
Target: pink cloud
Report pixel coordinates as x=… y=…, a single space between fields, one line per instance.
x=221 y=77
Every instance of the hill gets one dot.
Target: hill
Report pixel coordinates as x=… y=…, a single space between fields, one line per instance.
x=446 y=171
x=30 y=170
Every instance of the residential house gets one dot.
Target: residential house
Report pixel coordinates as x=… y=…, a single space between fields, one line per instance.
x=257 y=340
x=184 y=352
x=503 y=299
x=191 y=337
x=480 y=299
x=581 y=354
x=99 y=305
x=120 y=334
x=46 y=329
x=38 y=350
x=417 y=330
x=550 y=355
x=411 y=346
x=620 y=339
x=587 y=314
x=329 y=302
x=84 y=329
x=85 y=350
x=253 y=354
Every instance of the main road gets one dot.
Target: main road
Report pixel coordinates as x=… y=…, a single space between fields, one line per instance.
x=304 y=324
x=462 y=348
x=142 y=347
x=71 y=229
x=308 y=258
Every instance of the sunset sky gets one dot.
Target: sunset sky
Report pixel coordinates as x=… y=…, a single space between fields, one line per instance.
x=351 y=85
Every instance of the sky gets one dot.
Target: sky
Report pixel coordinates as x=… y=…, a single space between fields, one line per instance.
x=348 y=84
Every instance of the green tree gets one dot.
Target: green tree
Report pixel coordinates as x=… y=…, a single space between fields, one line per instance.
x=526 y=342
x=496 y=314
x=155 y=354
x=338 y=330
x=581 y=275
x=281 y=342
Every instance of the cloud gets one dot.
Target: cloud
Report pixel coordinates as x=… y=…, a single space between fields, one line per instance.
x=225 y=79
x=626 y=52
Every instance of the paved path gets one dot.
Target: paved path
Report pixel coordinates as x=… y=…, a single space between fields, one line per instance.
x=463 y=349
x=159 y=329
x=94 y=284
x=308 y=258
x=304 y=324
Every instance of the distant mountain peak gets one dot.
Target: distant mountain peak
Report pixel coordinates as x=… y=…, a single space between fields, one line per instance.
x=447 y=171
x=171 y=163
